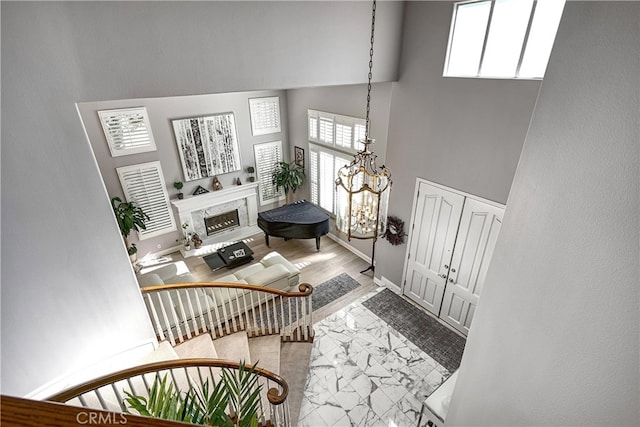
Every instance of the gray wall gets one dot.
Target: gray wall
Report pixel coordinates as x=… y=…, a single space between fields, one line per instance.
x=69 y=296
x=349 y=101
x=161 y=111
x=555 y=337
x=462 y=133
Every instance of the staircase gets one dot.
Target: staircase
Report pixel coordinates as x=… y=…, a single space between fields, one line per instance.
x=206 y=327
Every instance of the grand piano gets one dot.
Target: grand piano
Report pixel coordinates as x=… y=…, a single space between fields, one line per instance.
x=299 y=220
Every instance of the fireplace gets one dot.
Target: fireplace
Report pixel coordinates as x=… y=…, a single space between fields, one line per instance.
x=224 y=221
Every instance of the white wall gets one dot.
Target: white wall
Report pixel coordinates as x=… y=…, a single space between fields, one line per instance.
x=162 y=111
x=555 y=339
x=463 y=133
x=69 y=295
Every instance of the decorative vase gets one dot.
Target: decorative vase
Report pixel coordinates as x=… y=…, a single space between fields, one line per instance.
x=133 y=257
x=180 y=196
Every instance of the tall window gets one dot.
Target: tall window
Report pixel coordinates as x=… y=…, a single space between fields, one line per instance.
x=144 y=184
x=502 y=38
x=334 y=139
x=267 y=156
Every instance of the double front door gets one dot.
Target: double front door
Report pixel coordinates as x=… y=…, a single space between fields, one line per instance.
x=450 y=248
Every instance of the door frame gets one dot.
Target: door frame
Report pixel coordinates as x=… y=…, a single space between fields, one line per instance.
x=413 y=217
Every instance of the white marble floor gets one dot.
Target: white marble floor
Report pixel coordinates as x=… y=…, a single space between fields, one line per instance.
x=365 y=373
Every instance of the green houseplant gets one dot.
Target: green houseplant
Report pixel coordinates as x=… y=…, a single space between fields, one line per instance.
x=178 y=186
x=251 y=170
x=288 y=176
x=234 y=400
x=130 y=217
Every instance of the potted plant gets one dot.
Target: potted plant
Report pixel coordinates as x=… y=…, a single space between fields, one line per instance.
x=129 y=217
x=132 y=252
x=288 y=176
x=186 y=236
x=251 y=170
x=178 y=186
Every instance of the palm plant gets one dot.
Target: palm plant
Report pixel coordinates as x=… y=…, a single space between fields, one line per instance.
x=233 y=401
x=288 y=176
x=129 y=217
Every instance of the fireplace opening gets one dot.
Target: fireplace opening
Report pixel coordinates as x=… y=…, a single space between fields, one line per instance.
x=225 y=221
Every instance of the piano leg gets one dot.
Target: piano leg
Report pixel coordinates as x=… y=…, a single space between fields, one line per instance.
x=318 y=243
x=266 y=239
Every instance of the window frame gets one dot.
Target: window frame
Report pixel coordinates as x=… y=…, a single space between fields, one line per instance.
x=266 y=176
x=106 y=118
x=159 y=191
x=523 y=49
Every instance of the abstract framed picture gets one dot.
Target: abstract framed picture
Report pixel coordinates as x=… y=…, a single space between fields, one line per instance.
x=299 y=156
x=208 y=146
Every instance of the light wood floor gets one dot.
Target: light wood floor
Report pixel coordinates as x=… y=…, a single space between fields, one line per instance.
x=315 y=266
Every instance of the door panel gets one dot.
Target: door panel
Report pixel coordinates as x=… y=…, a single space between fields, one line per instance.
x=436 y=218
x=479 y=228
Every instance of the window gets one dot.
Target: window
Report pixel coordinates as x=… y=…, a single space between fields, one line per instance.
x=265 y=115
x=324 y=164
x=335 y=139
x=144 y=184
x=267 y=156
x=335 y=130
x=127 y=131
x=502 y=38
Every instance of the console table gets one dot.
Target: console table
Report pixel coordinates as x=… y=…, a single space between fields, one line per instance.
x=230 y=256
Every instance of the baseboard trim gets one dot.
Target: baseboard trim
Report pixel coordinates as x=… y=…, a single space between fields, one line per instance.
x=384 y=282
x=346 y=245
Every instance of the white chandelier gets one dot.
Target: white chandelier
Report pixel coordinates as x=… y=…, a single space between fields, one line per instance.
x=362 y=188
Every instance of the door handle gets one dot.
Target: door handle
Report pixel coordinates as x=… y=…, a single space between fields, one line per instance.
x=450 y=279
x=444 y=276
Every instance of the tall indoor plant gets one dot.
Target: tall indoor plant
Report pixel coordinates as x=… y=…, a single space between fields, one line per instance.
x=129 y=217
x=288 y=176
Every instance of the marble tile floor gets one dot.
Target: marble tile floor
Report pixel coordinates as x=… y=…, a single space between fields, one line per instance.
x=364 y=373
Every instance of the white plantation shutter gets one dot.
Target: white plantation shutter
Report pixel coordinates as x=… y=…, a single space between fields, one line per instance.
x=335 y=130
x=344 y=132
x=127 y=131
x=313 y=125
x=325 y=129
x=265 y=115
x=313 y=165
x=144 y=184
x=267 y=155
x=327 y=180
x=359 y=130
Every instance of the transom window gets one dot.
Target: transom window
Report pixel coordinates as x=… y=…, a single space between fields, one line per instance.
x=502 y=38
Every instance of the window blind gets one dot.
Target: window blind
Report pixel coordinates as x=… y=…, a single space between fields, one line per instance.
x=335 y=130
x=265 y=115
x=127 y=131
x=267 y=155
x=324 y=165
x=144 y=184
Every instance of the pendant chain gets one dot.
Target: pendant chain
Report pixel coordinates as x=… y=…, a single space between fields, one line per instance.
x=373 y=26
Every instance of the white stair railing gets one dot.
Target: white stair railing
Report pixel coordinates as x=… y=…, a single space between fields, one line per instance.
x=181 y=311
x=108 y=392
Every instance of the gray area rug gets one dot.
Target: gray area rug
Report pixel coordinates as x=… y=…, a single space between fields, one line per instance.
x=332 y=289
x=323 y=294
x=432 y=337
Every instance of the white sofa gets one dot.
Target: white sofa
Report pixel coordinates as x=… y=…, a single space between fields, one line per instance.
x=273 y=271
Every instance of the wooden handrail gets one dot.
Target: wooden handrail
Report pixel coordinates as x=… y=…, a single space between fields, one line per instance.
x=35 y=413
x=274 y=396
x=305 y=288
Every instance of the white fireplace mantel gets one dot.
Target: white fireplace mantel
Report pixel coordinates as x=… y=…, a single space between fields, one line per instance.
x=213 y=198
x=239 y=196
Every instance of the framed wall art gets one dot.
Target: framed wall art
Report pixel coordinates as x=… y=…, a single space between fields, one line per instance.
x=208 y=146
x=299 y=156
